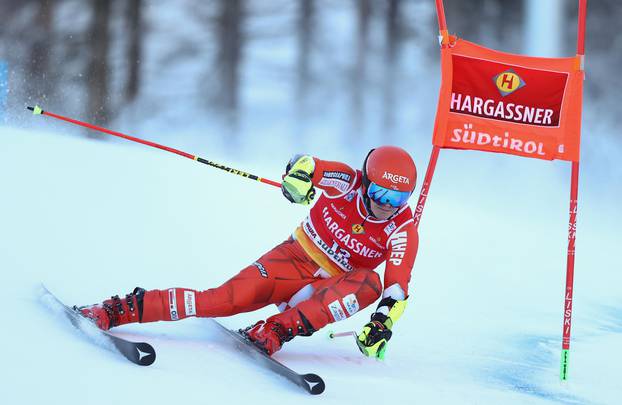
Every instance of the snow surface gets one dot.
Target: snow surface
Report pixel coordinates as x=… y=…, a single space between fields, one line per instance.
x=90 y=219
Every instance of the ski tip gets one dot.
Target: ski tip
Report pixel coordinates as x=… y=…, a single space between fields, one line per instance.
x=146 y=354
x=315 y=384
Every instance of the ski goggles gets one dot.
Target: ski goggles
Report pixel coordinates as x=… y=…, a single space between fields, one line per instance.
x=382 y=196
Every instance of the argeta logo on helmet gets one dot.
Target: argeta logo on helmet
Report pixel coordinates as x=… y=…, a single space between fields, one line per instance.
x=395 y=178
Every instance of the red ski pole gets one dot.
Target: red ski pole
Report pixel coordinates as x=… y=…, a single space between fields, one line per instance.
x=38 y=111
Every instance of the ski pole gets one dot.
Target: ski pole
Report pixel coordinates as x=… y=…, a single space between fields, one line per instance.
x=36 y=110
x=333 y=335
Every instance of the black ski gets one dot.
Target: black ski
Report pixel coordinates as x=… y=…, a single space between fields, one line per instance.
x=139 y=353
x=312 y=383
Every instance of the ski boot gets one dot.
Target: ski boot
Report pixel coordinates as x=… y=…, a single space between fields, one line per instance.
x=270 y=335
x=115 y=311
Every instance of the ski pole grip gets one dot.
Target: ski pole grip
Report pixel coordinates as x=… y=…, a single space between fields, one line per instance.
x=36 y=110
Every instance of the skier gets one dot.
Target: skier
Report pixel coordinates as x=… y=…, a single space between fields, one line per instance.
x=324 y=272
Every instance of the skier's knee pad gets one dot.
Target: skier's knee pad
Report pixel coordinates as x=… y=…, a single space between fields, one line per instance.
x=342 y=299
x=365 y=284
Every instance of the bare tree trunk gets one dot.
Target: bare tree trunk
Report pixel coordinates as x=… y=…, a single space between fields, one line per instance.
x=41 y=79
x=306 y=17
x=98 y=104
x=134 y=49
x=393 y=37
x=364 y=10
x=229 y=59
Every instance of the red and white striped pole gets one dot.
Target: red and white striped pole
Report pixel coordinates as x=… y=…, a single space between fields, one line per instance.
x=429 y=173
x=572 y=225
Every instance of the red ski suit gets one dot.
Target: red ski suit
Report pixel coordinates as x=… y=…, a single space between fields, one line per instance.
x=325 y=270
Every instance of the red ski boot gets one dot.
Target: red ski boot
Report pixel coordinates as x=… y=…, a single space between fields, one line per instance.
x=116 y=311
x=278 y=329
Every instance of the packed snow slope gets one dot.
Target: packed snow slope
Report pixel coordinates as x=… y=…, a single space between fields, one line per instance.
x=483 y=326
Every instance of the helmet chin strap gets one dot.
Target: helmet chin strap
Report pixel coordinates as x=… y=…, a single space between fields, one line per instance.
x=365 y=185
x=367 y=204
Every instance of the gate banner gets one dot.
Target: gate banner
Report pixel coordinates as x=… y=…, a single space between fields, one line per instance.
x=500 y=102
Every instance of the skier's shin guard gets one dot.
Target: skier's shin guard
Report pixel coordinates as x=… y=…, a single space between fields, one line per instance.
x=169 y=305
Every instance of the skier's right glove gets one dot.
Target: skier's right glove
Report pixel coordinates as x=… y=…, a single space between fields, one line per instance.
x=297 y=186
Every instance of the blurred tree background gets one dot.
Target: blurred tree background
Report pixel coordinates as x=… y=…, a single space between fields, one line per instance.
x=370 y=64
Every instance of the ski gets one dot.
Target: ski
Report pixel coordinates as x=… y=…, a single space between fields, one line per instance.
x=312 y=383
x=139 y=353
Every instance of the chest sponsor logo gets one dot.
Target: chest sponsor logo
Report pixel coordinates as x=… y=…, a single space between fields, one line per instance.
x=190 y=303
x=348 y=241
x=398 y=248
x=390 y=228
x=335 y=309
x=338 y=211
x=378 y=242
x=351 y=304
x=358 y=229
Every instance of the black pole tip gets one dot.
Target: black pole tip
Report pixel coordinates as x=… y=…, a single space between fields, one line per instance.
x=30 y=108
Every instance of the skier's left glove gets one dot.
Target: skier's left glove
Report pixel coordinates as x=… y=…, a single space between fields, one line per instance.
x=373 y=339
